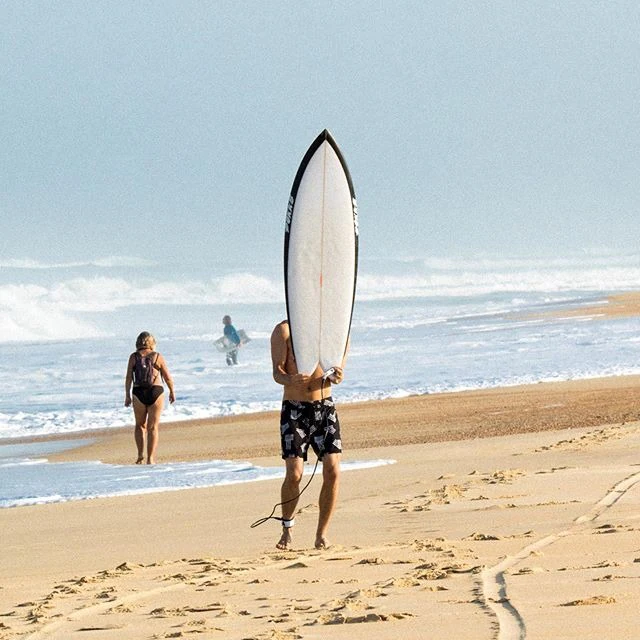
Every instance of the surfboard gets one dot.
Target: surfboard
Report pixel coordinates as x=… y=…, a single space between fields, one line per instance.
x=321 y=256
x=224 y=345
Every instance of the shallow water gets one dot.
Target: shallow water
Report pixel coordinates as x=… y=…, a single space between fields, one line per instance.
x=419 y=326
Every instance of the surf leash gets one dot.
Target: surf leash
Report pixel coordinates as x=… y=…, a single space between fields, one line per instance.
x=286 y=522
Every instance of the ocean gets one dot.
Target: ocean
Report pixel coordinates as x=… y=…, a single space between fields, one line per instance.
x=420 y=325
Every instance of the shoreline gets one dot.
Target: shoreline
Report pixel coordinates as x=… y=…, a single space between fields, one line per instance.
x=442 y=417
x=619 y=305
x=614 y=305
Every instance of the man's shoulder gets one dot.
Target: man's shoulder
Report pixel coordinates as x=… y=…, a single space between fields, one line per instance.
x=281 y=330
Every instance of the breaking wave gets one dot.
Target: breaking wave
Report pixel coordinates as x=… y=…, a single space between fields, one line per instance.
x=36 y=303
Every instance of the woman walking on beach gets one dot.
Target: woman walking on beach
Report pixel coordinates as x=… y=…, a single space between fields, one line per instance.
x=147 y=370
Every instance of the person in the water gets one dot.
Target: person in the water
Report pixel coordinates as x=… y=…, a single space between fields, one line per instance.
x=146 y=371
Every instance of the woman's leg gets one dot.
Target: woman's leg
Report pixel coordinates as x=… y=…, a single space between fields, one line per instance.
x=153 y=422
x=140 y=415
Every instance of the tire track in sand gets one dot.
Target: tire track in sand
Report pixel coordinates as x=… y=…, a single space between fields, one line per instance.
x=511 y=625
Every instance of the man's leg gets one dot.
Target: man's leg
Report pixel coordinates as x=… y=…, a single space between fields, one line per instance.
x=289 y=494
x=328 y=496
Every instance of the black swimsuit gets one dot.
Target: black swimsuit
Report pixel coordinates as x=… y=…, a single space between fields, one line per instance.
x=148 y=395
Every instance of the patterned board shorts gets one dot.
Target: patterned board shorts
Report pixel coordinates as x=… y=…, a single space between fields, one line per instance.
x=304 y=424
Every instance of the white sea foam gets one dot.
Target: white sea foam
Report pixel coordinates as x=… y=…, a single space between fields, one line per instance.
x=482 y=283
x=62 y=310
x=25 y=424
x=102 y=293
x=73 y=300
x=30 y=312
x=106 y=262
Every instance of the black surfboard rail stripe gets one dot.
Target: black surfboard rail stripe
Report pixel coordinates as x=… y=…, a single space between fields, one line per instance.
x=322 y=137
x=325 y=135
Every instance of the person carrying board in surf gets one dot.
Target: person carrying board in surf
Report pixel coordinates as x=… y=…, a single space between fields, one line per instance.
x=233 y=338
x=308 y=419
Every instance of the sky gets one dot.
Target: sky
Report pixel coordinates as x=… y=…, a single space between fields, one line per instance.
x=173 y=130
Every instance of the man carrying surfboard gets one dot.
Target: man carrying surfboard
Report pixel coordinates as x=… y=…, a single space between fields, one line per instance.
x=308 y=419
x=320 y=267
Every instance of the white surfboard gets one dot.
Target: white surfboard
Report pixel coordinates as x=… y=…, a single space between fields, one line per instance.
x=321 y=256
x=224 y=345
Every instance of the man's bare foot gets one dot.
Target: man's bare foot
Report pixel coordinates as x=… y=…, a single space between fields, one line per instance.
x=140 y=460
x=285 y=539
x=322 y=543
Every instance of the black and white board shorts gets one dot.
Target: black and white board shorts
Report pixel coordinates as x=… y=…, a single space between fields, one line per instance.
x=305 y=424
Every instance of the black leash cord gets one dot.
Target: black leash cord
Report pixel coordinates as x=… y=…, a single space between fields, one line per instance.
x=257 y=523
x=260 y=521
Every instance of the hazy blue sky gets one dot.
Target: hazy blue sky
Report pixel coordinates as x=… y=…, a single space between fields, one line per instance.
x=175 y=128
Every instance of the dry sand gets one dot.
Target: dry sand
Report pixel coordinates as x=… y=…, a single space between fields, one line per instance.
x=513 y=511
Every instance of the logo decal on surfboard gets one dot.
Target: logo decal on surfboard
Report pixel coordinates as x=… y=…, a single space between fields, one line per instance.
x=289 y=214
x=355 y=217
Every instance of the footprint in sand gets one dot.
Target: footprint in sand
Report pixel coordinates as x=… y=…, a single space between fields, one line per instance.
x=504 y=476
x=446 y=494
x=608 y=578
x=594 y=600
x=369 y=617
x=592 y=438
x=481 y=537
x=371 y=561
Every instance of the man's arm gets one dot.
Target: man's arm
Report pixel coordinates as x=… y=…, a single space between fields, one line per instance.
x=279 y=354
x=338 y=372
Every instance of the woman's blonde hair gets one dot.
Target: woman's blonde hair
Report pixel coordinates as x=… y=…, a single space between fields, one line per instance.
x=145 y=341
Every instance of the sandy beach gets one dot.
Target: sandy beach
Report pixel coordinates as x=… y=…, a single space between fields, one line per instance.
x=433 y=203
x=508 y=513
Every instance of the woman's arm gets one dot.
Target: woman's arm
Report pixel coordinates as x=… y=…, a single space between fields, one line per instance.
x=128 y=380
x=166 y=376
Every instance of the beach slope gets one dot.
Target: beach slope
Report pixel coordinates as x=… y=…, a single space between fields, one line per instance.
x=512 y=509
